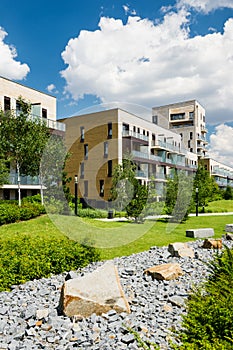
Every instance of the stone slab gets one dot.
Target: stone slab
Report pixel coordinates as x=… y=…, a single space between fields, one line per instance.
x=166 y=272
x=97 y=292
x=229 y=228
x=200 y=233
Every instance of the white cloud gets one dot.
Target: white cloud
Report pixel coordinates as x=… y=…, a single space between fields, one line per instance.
x=128 y=11
x=205 y=6
x=51 y=88
x=9 y=67
x=152 y=63
x=221 y=144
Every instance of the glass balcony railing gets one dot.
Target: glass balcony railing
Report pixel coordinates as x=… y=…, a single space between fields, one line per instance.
x=137 y=135
x=168 y=146
x=24 y=180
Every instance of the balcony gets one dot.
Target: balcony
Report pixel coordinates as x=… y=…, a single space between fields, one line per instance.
x=24 y=180
x=168 y=147
x=51 y=124
x=136 y=135
x=201 y=138
x=141 y=174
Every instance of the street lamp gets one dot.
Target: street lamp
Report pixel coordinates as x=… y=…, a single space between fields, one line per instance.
x=196 y=201
x=76 y=194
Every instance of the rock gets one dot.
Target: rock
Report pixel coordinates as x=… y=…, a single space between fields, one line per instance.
x=42 y=314
x=229 y=236
x=165 y=271
x=212 y=243
x=177 y=300
x=71 y=275
x=229 y=228
x=200 y=233
x=180 y=250
x=97 y=292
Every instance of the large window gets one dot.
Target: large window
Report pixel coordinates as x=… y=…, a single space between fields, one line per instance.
x=106 y=149
x=177 y=116
x=82 y=170
x=85 y=188
x=7 y=103
x=86 y=151
x=155 y=119
x=109 y=130
x=101 y=188
x=44 y=113
x=82 y=132
x=110 y=168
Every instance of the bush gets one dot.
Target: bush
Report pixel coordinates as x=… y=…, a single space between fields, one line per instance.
x=10 y=212
x=92 y=213
x=24 y=257
x=208 y=323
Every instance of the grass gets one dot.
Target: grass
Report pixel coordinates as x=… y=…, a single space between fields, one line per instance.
x=120 y=238
x=220 y=206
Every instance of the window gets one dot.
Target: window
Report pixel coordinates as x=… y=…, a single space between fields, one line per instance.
x=191 y=150
x=189 y=144
x=181 y=135
x=109 y=130
x=85 y=188
x=177 y=116
x=191 y=115
x=86 y=151
x=7 y=103
x=138 y=130
x=110 y=168
x=106 y=149
x=191 y=135
x=82 y=170
x=155 y=119
x=82 y=133
x=44 y=113
x=101 y=188
x=203 y=118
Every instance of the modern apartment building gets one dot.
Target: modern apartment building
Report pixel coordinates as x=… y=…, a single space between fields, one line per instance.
x=186 y=119
x=98 y=141
x=222 y=174
x=44 y=107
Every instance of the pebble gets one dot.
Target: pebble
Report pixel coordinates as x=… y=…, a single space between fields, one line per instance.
x=29 y=317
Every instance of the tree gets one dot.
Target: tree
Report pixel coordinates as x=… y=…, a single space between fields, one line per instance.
x=4 y=172
x=208 y=190
x=179 y=196
x=228 y=193
x=127 y=192
x=22 y=140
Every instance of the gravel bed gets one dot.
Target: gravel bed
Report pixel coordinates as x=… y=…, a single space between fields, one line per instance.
x=29 y=318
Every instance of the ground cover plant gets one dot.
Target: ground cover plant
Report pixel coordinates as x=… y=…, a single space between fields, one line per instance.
x=208 y=322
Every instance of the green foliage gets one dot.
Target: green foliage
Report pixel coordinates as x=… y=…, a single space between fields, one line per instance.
x=178 y=196
x=92 y=213
x=146 y=345
x=136 y=206
x=208 y=323
x=25 y=257
x=228 y=193
x=4 y=171
x=11 y=212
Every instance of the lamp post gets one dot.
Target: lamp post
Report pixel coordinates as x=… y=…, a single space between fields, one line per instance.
x=196 y=201
x=76 y=194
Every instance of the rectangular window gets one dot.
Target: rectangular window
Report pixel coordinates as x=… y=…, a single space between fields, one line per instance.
x=110 y=168
x=181 y=135
x=82 y=133
x=109 y=130
x=7 y=103
x=134 y=129
x=138 y=130
x=85 y=188
x=86 y=151
x=191 y=115
x=191 y=135
x=189 y=145
x=101 y=188
x=82 y=170
x=44 y=113
x=177 y=116
x=155 y=119
x=106 y=149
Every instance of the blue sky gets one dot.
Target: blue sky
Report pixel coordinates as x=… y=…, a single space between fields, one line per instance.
x=139 y=52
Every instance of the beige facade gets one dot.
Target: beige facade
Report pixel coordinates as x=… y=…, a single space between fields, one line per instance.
x=98 y=141
x=186 y=119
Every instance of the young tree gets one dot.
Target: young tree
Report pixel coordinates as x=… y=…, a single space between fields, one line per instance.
x=22 y=140
x=228 y=193
x=4 y=171
x=127 y=192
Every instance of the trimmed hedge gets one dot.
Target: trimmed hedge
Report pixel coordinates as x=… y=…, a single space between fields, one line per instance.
x=24 y=257
x=10 y=212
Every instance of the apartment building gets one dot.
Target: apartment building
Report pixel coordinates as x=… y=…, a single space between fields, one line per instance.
x=222 y=174
x=98 y=141
x=186 y=119
x=43 y=106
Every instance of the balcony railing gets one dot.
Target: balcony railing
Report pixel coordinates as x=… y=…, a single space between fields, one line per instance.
x=137 y=135
x=24 y=180
x=168 y=146
x=52 y=124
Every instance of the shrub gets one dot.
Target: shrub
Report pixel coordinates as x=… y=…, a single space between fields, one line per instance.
x=92 y=213
x=208 y=323
x=24 y=257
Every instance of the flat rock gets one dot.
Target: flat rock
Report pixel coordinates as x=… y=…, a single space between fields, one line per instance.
x=200 y=233
x=97 y=292
x=229 y=236
x=229 y=228
x=166 y=272
x=211 y=243
x=180 y=250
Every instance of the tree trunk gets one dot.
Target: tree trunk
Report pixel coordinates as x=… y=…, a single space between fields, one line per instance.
x=19 y=188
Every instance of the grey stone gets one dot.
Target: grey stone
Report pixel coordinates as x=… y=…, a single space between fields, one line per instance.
x=128 y=338
x=180 y=250
x=229 y=228
x=200 y=233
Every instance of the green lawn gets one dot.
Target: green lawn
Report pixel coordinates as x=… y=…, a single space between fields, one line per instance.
x=125 y=238
x=220 y=206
